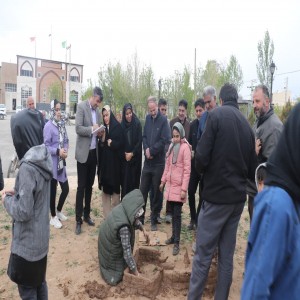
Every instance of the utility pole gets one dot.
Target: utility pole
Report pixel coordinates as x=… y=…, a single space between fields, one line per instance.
x=195 y=74
x=252 y=87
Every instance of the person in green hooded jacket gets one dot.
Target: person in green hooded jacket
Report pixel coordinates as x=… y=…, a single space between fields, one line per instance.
x=116 y=238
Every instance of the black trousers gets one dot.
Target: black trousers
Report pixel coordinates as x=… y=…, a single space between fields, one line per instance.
x=86 y=177
x=32 y=293
x=64 y=193
x=151 y=175
x=176 y=208
x=193 y=185
x=160 y=199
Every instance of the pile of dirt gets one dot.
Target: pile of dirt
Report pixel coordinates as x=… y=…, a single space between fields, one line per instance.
x=96 y=290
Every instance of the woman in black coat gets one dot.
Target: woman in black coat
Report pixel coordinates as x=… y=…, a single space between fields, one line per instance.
x=132 y=155
x=110 y=148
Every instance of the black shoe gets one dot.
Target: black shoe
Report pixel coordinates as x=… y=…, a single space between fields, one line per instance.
x=89 y=221
x=175 y=249
x=191 y=226
x=169 y=241
x=158 y=220
x=153 y=227
x=168 y=219
x=78 y=228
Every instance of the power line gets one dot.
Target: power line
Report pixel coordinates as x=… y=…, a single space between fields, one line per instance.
x=288 y=72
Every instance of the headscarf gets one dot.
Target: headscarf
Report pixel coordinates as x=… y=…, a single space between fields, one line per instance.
x=176 y=146
x=128 y=127
x=26 y=130
x=124 y=122
x=60 y=124
x=283 y=167
x=107 y=108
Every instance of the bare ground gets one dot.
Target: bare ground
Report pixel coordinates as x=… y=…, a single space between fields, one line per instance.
x=73 y=269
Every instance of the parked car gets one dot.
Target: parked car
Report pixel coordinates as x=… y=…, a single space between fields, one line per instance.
x=2 y=111
x=19 y=108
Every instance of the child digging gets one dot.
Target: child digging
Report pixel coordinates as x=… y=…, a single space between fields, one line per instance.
x=176 y=177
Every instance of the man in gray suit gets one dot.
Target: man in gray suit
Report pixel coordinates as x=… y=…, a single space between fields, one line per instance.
x=87 y=121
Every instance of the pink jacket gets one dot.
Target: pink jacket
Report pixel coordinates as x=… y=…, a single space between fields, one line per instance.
x=177 y=176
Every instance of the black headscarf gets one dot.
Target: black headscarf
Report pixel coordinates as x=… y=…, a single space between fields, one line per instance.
x=128 y=127
x=283 y=167
x=26 y=130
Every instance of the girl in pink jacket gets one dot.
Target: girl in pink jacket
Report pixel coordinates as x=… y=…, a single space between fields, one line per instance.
x=176 y=177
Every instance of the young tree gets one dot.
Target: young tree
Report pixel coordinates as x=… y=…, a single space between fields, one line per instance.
x=233 y=73
x=265 y=56
x=55 y=91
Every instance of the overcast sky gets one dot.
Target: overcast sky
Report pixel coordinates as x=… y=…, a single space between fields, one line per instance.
x=164 y=33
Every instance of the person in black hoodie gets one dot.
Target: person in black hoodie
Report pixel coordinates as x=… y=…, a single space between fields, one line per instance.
x=226 y=156
x=273 y=252
x=199 y=106
x=132 y=155
x=111 y=149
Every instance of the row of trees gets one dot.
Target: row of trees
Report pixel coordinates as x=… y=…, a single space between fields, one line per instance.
x=136 y=81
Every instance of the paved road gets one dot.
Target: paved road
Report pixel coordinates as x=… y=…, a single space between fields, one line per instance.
x=7 y=149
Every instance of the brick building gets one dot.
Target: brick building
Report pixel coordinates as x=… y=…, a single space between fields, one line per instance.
x=43 y=79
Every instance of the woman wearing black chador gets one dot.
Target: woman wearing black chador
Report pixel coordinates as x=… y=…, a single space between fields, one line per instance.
x=132 y=156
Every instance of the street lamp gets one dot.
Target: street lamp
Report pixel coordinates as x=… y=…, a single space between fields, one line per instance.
x=159 y=88
x=272 y=70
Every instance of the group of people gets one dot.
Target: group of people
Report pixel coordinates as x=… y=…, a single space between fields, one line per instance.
x=114 y=149
x=217 y=153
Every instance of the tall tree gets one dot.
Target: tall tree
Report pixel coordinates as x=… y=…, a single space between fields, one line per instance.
x=233 y=73
x=265 y=56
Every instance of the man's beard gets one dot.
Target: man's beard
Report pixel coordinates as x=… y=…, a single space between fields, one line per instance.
x=261 y=112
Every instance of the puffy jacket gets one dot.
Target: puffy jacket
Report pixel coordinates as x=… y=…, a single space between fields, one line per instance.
x=29 y=206
x=177 y=176
x=110 y=251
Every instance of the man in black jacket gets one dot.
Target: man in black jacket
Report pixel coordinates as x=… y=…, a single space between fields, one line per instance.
x=155 y=136
x=226 y=156
x=195 y=176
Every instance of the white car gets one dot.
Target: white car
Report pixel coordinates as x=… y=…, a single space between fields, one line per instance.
x=2 y=111
x=19 y=108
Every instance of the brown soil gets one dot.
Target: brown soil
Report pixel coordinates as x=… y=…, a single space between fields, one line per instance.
x=73 y=269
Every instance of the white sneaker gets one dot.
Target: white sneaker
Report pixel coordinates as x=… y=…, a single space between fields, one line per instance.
x=61 y=216
x=55 y=222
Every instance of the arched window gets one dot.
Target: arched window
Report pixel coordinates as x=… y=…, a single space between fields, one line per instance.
x=74 y=75
x=26 y=70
